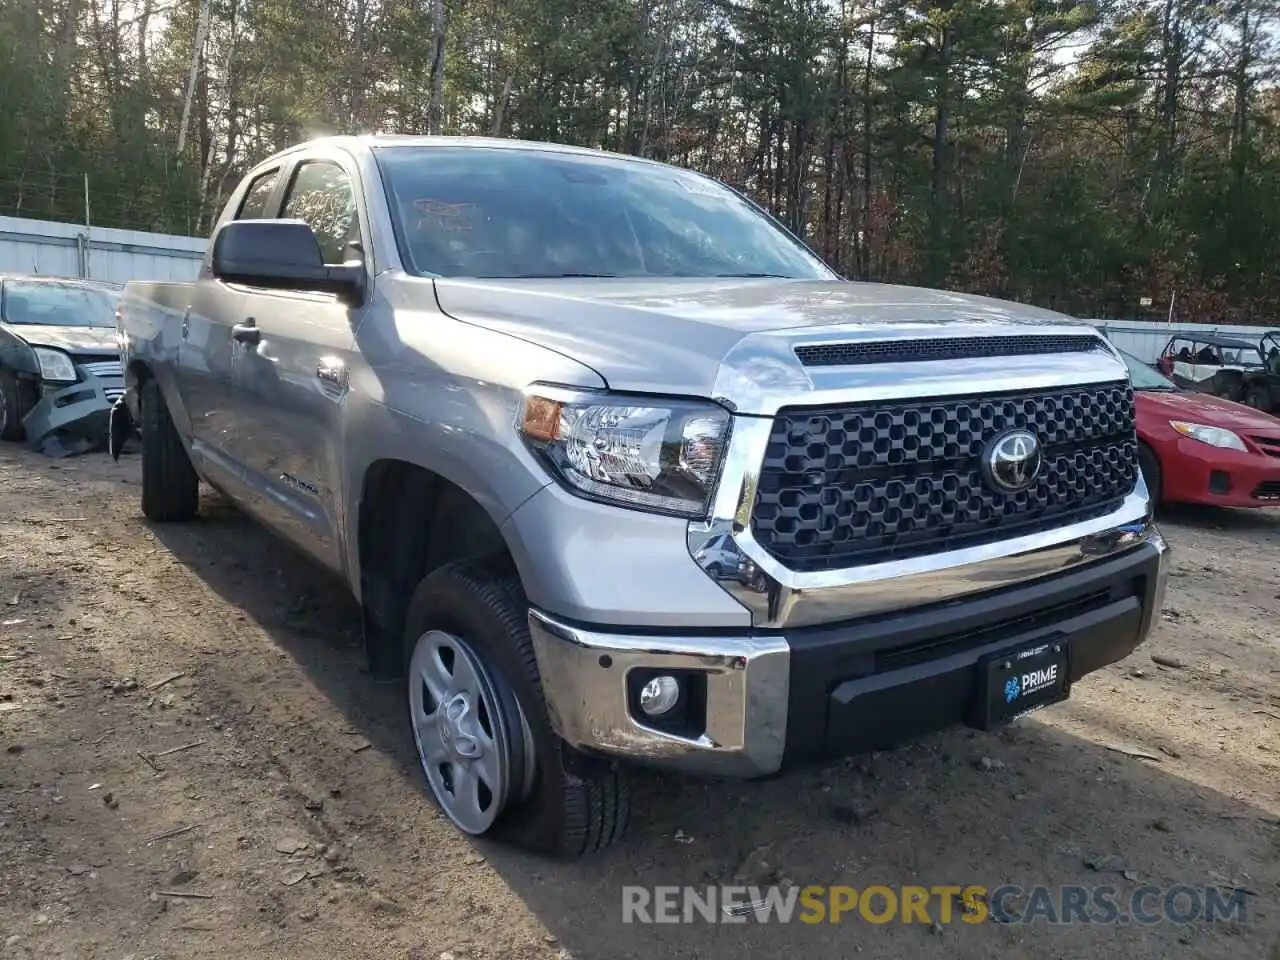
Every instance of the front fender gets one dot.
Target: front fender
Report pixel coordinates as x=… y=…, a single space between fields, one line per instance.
x=462 y=448
x=444 y=395
x=16 y=355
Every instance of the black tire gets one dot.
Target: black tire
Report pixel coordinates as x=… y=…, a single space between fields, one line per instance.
x=1149 y=463
x=1259 y=399
x=16 y=400
x=170 y=487
x=577 y=804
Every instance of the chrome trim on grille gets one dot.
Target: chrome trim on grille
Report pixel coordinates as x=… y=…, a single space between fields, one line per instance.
x=103 y=368
x=761 y=375
x=856 y=484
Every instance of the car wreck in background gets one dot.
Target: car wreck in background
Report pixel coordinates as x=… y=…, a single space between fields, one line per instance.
x=59 y=361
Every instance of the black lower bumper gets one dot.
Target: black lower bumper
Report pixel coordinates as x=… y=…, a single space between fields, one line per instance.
x=874 y=684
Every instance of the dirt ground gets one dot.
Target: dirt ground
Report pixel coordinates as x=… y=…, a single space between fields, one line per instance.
x=194 y=764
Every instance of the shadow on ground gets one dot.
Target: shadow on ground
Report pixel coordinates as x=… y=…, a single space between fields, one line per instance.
x=1207 y=517
x=1030 y=806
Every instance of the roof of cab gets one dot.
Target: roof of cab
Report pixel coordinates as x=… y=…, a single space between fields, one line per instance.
x=376 y=141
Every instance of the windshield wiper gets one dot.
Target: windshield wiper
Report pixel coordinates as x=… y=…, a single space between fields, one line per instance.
x=750 y=276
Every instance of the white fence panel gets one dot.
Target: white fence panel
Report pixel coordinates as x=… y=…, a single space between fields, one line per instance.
x=72 y=250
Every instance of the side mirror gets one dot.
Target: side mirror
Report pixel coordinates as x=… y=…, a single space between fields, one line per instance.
x=282 y=255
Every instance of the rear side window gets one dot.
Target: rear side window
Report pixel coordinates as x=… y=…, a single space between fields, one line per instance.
x=256 y=197
x=322 y=195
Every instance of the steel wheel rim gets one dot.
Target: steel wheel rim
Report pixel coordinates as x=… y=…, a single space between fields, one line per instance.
x=463 y=744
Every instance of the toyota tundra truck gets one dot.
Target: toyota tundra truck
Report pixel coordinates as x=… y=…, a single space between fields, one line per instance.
x=621 y=473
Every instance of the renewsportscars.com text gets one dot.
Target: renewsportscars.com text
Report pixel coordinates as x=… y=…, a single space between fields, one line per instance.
x=943 y=904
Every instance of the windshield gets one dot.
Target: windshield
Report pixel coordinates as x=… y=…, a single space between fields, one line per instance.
x=59 y=304
x=1145 y=377
x=490 y=212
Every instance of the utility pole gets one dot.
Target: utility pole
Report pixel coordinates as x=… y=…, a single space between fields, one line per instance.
x=88 y=238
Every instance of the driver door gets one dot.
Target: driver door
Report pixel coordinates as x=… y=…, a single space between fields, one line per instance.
x=206 y=350
x=291 y=369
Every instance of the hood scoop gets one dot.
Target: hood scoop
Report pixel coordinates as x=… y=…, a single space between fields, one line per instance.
x=941 y=348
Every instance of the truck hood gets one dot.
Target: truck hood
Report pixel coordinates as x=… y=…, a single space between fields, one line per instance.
x=706 y=337
x=71 y=339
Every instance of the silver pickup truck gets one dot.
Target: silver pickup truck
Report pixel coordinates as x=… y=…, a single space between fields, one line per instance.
x=620 y=472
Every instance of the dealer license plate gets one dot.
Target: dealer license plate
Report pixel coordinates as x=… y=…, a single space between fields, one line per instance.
x=1017 y=681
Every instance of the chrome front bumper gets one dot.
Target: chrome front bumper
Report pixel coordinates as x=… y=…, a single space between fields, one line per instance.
x=749 y=678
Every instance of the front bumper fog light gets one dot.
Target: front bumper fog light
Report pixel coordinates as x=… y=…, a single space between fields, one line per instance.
x=659 y=696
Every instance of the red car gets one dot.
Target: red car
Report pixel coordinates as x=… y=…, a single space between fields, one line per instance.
x=1197 y=448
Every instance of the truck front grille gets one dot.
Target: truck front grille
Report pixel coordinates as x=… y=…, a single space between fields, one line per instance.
x=868 y=483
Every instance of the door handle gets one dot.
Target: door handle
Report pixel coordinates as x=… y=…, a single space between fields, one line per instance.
x=246 y=332
x=331 y=370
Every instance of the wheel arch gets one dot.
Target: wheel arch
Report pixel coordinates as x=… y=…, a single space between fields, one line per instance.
x=1147 y=449
x=411 y=520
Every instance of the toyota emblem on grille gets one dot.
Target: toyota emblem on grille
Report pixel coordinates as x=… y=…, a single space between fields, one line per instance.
x=1012 y=461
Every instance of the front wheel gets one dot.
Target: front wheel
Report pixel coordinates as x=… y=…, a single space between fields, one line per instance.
x=170 y=487
x=16 y=400
x=479 y=722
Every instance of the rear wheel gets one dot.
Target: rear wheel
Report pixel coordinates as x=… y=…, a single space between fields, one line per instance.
x=1150 y=466
x=170 y=487
x=16 y=400
x=479 y=722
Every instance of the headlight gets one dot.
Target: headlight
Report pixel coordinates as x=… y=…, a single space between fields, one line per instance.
x=651 y=454
x=1214 y=436
x=55 y=365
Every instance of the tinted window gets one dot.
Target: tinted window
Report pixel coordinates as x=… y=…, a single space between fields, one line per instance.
x=323 y=196
x=60 y=304
x=491 y=212
x=254 y=206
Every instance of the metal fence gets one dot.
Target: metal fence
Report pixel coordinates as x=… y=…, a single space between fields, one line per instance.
x=1146 y=340
x=74 y=250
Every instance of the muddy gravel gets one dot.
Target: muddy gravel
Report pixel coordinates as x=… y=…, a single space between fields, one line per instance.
x=193 y=763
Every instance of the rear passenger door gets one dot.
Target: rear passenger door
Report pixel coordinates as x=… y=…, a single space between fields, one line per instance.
x=290 y=386
x=205 y=351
